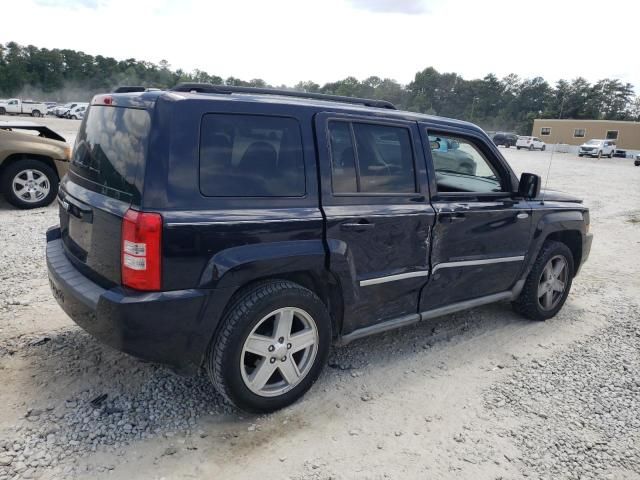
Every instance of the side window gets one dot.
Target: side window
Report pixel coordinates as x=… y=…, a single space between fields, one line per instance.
x=251 y=156
x=343 y=160
x=460 y=166
x=381 y=161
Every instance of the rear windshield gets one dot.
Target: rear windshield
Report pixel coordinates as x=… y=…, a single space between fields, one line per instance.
x=251 y=156
x=110 y=150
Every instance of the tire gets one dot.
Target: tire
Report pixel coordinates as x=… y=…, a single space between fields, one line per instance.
x=531 y=148
x=73 y=117
x=17 y=173
x=544 y=147
x=257 y=308
x=3 y=111
x=611 y=154
x=36 y=113
x=518 y=148
x=507 y=145
x=529 y=303
x=580 y=155
x=636 y=163
x=599 y=155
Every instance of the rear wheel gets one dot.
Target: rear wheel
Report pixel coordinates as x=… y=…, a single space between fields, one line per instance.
x=2 y=111
x=599 y=154
x=272 y=345
x=531 y=147
x=544 y=147
x=36 y=113
x=29 y=184
x=518 y=148
x=547 y=285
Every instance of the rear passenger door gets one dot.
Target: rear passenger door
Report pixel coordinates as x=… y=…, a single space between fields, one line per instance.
x=374 y=196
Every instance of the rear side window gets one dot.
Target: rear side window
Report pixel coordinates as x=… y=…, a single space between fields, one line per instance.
x=251 y=156
x=110 y=150
x=381 y=162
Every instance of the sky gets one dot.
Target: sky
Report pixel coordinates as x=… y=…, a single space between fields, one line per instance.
x=285 y=41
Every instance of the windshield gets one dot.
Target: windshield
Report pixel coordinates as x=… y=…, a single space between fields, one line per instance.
x=594 y=142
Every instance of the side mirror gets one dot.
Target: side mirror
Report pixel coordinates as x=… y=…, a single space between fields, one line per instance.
x=529 y=186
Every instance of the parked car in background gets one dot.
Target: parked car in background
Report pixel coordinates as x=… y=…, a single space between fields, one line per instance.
x=51 y=110
x=61 y=110
x=448 y=156
x=597 y=148
x=531 y=143
x=77 y=112
x=15 y=106
x=33 y=159
x=277 y=223
x=505 y=139
x=636 y=162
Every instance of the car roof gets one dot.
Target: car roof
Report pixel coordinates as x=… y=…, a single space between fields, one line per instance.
x=148 y=99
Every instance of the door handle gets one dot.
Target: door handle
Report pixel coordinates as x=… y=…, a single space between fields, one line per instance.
x=453 y=217
x=360 y=226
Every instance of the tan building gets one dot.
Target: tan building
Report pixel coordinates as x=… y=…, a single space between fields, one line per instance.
x=576 y=132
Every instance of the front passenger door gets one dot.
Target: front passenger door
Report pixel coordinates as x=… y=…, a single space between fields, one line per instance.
x=481 y=234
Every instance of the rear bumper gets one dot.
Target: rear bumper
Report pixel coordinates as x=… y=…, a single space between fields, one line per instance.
x=173 y=327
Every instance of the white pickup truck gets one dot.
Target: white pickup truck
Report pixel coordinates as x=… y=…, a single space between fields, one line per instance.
x=15 y=106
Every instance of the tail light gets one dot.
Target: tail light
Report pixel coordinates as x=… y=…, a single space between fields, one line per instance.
x=141 y=250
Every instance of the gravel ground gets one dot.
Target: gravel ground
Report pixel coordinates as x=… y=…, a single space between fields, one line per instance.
x=478 y=394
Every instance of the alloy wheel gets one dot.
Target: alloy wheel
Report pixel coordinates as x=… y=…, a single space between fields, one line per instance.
x=279 y=352
x=553 y=282
x=30 y=185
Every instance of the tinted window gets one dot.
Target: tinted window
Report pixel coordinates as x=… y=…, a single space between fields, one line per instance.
x=251 y=156
x=110 y=149
x=381 y=162
x=460 y=166
x=343 y=168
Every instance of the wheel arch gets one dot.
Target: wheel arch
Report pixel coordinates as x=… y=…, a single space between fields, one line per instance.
x=573 y=240
x=17 y=157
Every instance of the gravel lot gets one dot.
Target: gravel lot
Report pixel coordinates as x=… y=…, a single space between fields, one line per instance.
x=479 y=394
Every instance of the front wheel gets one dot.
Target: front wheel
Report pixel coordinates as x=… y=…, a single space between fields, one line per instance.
x=272 y=345
x=36 y=113
x=29 y=184
x=531 y=147
x=544 y=147
x=599 y=154
x=548 y=283
x=518 y=148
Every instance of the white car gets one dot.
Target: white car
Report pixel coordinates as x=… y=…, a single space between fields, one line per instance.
x=597 y=148
x=77 y=112
x=61 y=110
x=531 y=143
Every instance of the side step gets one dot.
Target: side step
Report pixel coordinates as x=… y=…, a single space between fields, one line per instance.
x=417 y=317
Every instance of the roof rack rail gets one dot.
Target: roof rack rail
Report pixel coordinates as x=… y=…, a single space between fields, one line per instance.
x=228 y=89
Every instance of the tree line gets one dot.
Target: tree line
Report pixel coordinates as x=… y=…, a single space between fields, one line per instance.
x=510 y=103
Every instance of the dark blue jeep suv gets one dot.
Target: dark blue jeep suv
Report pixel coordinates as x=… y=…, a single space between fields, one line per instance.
x=245 y=230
